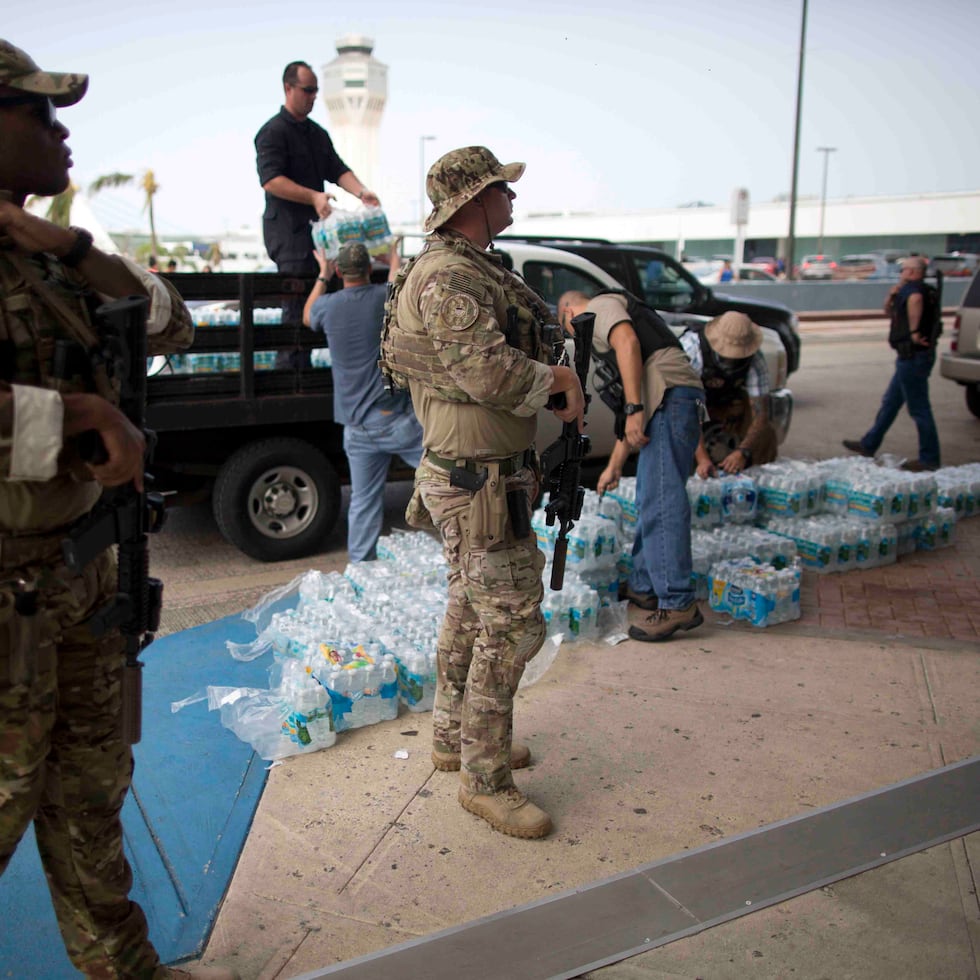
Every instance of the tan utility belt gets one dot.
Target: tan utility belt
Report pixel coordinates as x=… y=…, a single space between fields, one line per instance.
x=509 y=465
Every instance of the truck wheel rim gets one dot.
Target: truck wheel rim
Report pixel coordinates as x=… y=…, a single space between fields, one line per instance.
x=283 y=502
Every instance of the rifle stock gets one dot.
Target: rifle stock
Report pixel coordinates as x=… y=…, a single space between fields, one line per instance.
x=561 y=462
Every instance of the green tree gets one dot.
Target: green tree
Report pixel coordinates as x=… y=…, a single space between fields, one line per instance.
x=150 y=187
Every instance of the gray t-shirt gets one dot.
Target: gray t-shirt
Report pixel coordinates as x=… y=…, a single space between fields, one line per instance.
x=351 y=320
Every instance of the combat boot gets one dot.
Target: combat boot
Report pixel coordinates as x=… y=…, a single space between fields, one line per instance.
x=520 y=758
x=191 y=972
x=509 y=811
x=665 y=623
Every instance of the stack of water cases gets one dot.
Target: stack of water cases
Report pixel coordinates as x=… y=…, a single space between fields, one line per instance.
x=368 y=225
x=746 y=589
x=221 y=362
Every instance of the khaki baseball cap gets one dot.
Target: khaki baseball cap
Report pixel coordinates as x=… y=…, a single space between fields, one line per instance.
x=18 y=71
x=459 y=176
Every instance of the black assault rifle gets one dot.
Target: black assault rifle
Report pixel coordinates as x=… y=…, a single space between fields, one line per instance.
x=123 y=515
x=561 y=462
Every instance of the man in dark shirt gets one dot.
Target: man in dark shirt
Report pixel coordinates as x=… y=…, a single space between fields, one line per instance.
x=294 y=157
x=915 y=341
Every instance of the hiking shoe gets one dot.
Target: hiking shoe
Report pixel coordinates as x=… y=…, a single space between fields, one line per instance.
x=644 y=600
x=202 y=973
x=509 y=811
x=520 y=758
x=666 y=622
x=917 y=466
x=856 y=446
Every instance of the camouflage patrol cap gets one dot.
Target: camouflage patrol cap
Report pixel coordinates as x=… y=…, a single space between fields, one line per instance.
x=458 y=176
x=353 y=258
x=18 y=71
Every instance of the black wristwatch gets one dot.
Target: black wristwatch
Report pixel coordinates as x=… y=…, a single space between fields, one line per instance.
x=632 y=408
x=746 y=453
x=78 y=251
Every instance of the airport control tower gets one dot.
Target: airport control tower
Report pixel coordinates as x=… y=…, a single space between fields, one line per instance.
x=355 y=89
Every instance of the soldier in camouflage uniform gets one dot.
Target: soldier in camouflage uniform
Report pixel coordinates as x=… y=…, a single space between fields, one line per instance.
x=465 y=336
x=63 y=761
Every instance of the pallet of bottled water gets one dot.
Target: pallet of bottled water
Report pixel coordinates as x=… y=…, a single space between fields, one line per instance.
x=788 y=488
x=958 y=488
x=756 y=592
x=829 y=543
x=722 y=500
x=733 y=542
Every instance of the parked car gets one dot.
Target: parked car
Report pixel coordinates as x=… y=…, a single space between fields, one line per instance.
x=743 y=273
x=856 y=267
x=767 y=262
x=817 y=267
x=668 y=286
x=957 y=264
x=962 y=363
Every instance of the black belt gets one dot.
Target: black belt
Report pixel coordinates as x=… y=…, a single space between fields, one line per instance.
x=509 y=465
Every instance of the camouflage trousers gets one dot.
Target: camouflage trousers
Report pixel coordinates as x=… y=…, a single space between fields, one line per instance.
x=64 y=765
x=493 y=627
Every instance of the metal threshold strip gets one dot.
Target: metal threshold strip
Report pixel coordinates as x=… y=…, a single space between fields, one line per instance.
x=609 y=920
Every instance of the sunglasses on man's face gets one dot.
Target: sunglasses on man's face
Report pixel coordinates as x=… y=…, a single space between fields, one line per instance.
x=44 y=107
x=308 y=89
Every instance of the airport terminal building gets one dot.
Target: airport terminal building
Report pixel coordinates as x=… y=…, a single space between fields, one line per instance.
x=929 y=224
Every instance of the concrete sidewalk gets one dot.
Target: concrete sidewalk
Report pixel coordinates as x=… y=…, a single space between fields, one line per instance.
x=643 y=751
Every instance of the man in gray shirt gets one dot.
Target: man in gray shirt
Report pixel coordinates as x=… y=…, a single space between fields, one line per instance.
x=377 y=424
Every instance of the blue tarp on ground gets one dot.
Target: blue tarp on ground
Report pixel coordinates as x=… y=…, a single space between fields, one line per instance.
x=195 y=791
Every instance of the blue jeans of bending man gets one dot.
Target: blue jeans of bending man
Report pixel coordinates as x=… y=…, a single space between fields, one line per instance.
x=662 y=548
x=909 y=386
x=370 y=448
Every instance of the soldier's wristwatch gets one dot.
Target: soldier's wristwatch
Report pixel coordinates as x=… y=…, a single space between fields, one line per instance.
x=78 y=251
x=633 y=408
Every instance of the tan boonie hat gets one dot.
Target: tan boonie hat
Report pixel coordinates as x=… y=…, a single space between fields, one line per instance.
x=18 y=71
x=459 y=176
x=353 y=257
x=733 y=335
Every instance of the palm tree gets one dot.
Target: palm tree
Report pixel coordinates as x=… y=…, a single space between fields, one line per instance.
x=150 y=187
x=109 y=180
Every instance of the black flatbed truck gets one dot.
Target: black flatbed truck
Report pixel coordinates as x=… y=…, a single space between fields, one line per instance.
x=263 y=442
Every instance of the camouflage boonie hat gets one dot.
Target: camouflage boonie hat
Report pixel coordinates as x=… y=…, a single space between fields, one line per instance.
x=459 y=176
x=18 y=71
x=352 y=258
x=733 y=335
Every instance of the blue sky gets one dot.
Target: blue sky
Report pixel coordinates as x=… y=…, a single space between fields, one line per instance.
x=627 y=104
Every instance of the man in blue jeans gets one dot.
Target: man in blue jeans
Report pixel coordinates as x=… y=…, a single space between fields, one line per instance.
x=377 y=424
x=664 y=399
x=915 y=342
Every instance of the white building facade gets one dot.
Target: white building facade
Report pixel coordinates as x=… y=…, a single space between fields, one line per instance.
x=931 y=224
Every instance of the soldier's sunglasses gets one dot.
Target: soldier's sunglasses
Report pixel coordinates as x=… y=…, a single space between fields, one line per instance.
x=47 y=113
x=499 y=185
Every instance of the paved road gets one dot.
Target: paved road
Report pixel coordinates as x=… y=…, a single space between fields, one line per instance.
x=845 y=367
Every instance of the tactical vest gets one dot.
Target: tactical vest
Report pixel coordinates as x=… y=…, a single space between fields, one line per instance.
x=407 y=352
x=721 y=387
x=930 y=323
x=47 y=336
x=653 y=335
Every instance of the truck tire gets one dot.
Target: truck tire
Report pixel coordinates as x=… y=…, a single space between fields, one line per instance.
x=973 y=399
x=277 y=499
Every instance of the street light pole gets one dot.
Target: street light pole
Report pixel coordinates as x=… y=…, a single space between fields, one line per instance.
x=791 y=238
x=422 y=208
x=826 y=151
